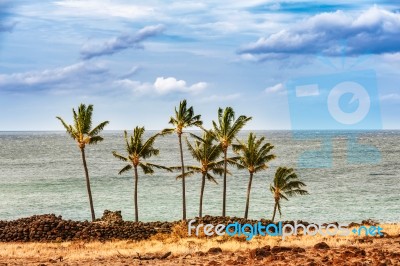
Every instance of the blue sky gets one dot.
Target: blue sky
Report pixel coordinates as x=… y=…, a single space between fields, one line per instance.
x=135 y=60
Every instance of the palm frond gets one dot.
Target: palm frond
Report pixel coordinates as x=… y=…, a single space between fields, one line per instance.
x=282 y=196
x=187 y=174
x=126 y=168
x=68 y=128
x=95 y=131
x=294 y=192
x=86 y=118
x=147 y=169
x=218 y=170
x=211 y=178
x=122 y=158
x=189 y=168
x=95 y=139
x=77 y=123
x=167 y=131
x=159 y=166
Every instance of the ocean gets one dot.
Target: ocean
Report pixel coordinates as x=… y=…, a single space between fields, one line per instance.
x=42 y=172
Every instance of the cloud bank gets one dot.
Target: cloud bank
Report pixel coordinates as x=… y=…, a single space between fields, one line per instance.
x=375 y=31
x=162 y=86
x=120 y=43
x=51 y=78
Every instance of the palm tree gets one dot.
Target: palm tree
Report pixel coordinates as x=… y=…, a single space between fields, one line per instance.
x=138 y=149
x=83 y=133
x=253 y=156
x=184 y=118
x=286 y=184
x=225 y=131
x=206 y=153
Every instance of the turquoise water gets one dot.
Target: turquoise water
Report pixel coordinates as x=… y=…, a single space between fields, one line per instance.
x=41 y=172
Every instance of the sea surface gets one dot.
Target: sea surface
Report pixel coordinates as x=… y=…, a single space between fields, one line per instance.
x=42 y=172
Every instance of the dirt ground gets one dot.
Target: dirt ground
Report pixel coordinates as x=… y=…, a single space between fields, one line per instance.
x=299 y=250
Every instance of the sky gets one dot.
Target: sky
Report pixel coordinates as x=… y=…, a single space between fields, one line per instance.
x=288 y=64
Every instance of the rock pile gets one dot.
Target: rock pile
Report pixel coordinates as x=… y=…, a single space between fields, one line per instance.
x=52 y=228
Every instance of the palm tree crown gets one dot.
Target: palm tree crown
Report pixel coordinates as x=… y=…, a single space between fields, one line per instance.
x=184 y=118
x=253 y=156
x=82 y=130
x=137 y=150
x=227 y=128
x=286 y=184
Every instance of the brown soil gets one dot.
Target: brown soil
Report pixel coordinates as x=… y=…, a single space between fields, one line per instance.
x=369 y=251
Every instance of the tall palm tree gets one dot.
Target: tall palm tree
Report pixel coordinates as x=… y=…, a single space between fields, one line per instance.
x=139 y=149
x=184 y=118
x=225 y=131
x=253 y=156
x=83 y=133
x=206 y=153
x=286 y=184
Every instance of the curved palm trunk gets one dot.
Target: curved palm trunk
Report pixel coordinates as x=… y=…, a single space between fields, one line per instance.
x=246 y=212
x=276 y=205
x=88 y=184
x=203 y=182
x=224 y=191
x=136 y=195
x=183 y=180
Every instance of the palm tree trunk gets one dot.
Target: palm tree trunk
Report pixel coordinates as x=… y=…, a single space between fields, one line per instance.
x=89 y=191
x=224 y=191
x=273 y=216
x=203 y=182
x=136 y=195
x=248 y=196
x=183 y=180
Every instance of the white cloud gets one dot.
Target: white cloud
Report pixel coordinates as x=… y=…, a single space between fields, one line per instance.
x=119 y=43
x=275 y=89
x=48 y=78
x=374 y=31
x=166 y=85
x=162 y=86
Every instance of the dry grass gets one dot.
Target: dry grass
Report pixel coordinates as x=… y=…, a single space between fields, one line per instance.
x=177 y=242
